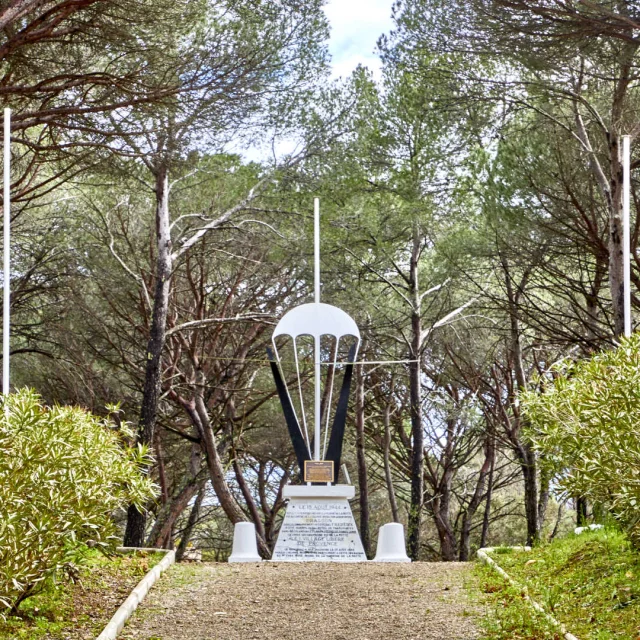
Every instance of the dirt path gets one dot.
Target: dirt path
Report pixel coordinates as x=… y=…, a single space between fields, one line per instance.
x=420 y=601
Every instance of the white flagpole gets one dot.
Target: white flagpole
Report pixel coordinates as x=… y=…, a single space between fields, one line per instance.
x=6 y=275
x=316 y=274
x=626 y=234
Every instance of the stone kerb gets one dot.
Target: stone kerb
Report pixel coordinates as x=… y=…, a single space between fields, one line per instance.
x=483 y=555
x=120 y=617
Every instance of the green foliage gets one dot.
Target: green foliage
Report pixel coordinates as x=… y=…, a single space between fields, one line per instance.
x=82 y=607
x=586 y=425
x=590 y=583
x=510 y=618
x=63 y=472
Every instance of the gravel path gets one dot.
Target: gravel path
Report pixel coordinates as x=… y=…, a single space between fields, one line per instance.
x=300 y=601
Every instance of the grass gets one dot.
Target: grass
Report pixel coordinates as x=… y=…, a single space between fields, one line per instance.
x=590 y=583
x=79 y=610
x=183 y=575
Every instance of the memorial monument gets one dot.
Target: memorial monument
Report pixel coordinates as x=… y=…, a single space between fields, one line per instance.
x=318 y=523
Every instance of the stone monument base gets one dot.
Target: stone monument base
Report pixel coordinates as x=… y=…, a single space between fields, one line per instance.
x=318 y=526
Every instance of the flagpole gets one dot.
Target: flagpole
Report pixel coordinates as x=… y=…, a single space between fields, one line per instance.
x=6 y=275
x=626 y=235
x=316 y=277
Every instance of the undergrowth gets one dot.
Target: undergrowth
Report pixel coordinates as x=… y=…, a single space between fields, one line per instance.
x=590 y=583
x=80 y=604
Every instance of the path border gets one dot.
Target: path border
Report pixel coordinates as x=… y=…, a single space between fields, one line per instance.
x=484 y=556
x=120 y=617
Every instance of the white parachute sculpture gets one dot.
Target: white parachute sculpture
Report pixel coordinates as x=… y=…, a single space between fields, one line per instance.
x=316 y=320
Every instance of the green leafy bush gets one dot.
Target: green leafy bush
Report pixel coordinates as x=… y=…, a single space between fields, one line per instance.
x=63 y=472
x=586 y=425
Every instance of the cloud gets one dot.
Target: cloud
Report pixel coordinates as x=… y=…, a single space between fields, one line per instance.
x=356 y=25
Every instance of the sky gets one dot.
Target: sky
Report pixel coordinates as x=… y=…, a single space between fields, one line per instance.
x=356 y=25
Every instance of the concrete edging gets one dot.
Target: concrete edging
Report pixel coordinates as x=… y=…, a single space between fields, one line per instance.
x=120 y=617
x=483 y=554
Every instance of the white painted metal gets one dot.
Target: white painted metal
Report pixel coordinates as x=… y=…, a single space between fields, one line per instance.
x=316 y=249
x=6 y=275
x=316 y=347
x=316 y=319
x=345 y=473
x=626 y=234
x=318 y=400
x=299 y=377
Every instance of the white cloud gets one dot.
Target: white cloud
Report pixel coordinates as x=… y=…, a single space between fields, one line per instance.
x=347 y=64
x=356 y=26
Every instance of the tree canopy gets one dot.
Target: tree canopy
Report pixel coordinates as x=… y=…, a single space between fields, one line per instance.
x=471 y=199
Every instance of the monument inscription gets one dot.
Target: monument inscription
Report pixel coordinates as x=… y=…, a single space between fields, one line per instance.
x=318 y=470
x=319 y=529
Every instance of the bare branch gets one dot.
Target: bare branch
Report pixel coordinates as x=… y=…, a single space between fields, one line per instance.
x=198 y=324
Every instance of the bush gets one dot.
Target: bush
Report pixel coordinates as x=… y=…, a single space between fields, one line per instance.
x=63 y=472
x=586 y=426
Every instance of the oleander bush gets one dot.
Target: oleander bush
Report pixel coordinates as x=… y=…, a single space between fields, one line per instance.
x=63 y=473
x=586 y=426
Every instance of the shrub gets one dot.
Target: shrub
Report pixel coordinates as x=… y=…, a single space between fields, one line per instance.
x=63 y=472
x=586 y=425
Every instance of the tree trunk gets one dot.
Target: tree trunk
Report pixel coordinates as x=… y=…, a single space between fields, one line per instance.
x=216 y=470
x=193 y=519
x=363 y=486
x=543 y=499
x=474 y=503
x=581 y=511
x=487 y=507
x=611 y=186
x=556 y=527
x=528 y=467
x=624 y=77
x=162 y=476
x=417 y=434
x=136 y=521
x=442 y=519
x=248 y=498
x=616 y=249
x=387 y=464
x=178 y=502
x=524 y=451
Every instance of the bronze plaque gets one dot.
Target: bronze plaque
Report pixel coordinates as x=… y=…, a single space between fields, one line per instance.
x=318 y=470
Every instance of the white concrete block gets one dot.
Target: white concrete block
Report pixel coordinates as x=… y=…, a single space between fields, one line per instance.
x=591 y=527
x=318 y=491
x=391 y=545
x=192 y=555
x=245 y=545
